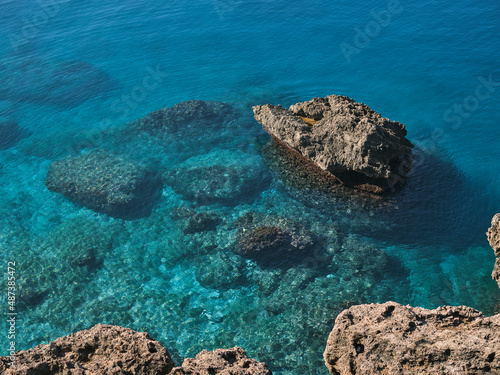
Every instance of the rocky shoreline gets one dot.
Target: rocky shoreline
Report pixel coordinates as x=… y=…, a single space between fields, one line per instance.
x=368 y=339
x=494 y=239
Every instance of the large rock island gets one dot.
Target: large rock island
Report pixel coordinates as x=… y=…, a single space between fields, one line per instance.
x=346 y=139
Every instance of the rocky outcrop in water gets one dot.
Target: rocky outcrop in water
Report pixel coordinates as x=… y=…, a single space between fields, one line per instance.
x=393 y=339
x=494 y=239
x=233 y=361
x=103 y=349
x=106 y=183
x=106 y=349
x=355 y=144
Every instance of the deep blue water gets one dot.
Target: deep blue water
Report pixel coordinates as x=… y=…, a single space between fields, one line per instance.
x=73 y=71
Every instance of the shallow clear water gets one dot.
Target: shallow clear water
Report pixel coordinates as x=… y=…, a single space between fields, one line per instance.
x=425 y=247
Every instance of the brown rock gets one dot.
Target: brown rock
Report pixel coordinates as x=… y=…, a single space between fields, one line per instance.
x=103 y=349
x=232 y=361
x=393 y=339
x=494 y=238
x=344 y=138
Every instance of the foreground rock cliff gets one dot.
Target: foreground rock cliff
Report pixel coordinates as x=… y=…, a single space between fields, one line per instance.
x=106 y=349
x=346 y=139
x=393 y=339
x=494 y=238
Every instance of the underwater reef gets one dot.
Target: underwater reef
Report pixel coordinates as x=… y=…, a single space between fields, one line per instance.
x=386 y=338
x=242 y=241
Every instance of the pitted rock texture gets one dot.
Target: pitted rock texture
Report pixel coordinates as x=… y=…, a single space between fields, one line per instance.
x=106 y=183
x=494 y=238
x=233 y=361
x=393 y=339
x=277 y=247
x=103 y=349
x=347 y=139
x=184 y=116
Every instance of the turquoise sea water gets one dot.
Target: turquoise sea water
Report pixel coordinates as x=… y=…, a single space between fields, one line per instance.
x=72 y=73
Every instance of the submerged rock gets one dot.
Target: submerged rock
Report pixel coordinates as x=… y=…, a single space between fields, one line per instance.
x=219 y=270
x=353 y=143
x=494 y=239
x=103 y=349
x=184 y=116
x=219 y=177
x=233 y=361
x=274 y=246
x=106 y=183
x=67 y=83
x=10 y=134
x=202 y=222
x=393 y=339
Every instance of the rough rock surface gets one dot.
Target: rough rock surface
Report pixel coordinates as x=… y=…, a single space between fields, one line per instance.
x=106 y=183
x=347 y=139
x=103 y=349
x=219 y=177
x=202 y=222
x=106 y=349
x=183 y=116
x=393 y=339
x=494 y=238
x=233 y=361
x=274 y=246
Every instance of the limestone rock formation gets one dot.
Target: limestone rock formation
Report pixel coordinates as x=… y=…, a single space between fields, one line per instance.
x=233 y=361
x=103 y=349
x=106 y=349
x=393 y=339
x=106 y=183
x=344 y=138
x=494 y=238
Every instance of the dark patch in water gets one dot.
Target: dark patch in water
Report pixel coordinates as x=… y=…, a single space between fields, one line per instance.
x=64 y=84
